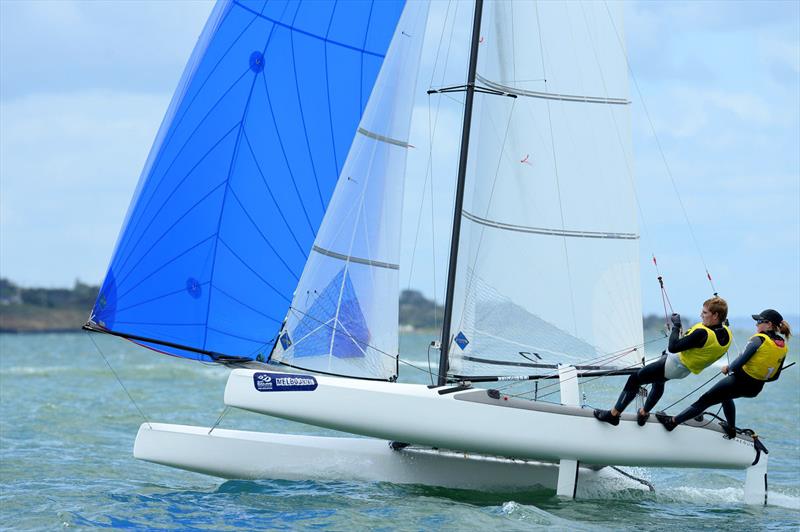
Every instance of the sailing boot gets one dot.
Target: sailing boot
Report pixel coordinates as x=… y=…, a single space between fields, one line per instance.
x=730 y=430
x=641 y=418
x=666 y=420
x=607 y=416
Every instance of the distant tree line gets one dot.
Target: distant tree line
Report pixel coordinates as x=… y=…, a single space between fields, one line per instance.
x=418 y=312
x=80 y=296
x=42 y=309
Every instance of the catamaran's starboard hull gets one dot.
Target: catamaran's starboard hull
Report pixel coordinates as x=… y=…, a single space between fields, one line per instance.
x=471 y=421
x=235 y=454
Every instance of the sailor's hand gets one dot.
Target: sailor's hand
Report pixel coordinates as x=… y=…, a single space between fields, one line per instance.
x=676 y=320
x=725 y=369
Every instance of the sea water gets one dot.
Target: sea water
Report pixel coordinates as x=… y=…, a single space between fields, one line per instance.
x=69 y=416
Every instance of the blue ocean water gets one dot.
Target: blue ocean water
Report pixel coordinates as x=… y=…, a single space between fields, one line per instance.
x=67 y=429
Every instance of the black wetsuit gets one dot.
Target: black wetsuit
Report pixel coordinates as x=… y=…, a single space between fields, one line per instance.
x=653 y=373
x=736 y=384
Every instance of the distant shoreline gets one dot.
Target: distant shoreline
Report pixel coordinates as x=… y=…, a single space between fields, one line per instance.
x=63 y=310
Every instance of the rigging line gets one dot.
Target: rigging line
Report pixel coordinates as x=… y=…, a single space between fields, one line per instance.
x=100 y=351
x=601 y=360
x=716 y=375
x=486 y=214
x=362 y=342
x=219 y=419
x=558 y=184
x=433 y=217
x=628 y=166
x=421 y=205
x=436 y=324
x=429 y=165
x=623 y=146
x=555 y=373
x=346 y=269
x=631 y=293
x=660 y=149
x=587 y=380
x=439 y=46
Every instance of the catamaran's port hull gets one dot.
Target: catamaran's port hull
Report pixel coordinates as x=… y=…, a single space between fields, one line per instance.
x=473 y=422
x=235 y=454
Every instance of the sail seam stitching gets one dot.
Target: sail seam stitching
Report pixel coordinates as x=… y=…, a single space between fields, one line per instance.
x=309 y=34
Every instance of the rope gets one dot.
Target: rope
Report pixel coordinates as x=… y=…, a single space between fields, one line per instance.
x=660 y=149
x=100 y=351
x=360 y=342
x=693 y=391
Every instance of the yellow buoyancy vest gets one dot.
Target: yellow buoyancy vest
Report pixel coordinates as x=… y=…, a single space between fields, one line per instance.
x=699 y=358
x=766 y=361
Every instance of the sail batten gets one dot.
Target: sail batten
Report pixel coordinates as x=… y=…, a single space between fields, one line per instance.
x=507 y=89
x=548 y=231
x=358 y=260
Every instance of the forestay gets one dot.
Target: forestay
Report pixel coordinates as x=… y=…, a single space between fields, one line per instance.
x=344 y=315
x=238 y=180
x=548 y=263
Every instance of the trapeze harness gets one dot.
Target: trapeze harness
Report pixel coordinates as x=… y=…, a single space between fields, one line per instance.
x=698 y=349
x=761 y=361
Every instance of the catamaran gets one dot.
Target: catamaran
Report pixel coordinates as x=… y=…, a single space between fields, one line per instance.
x=264 y=235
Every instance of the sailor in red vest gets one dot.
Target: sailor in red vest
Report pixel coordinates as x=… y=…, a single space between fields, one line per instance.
x=760 y=362
x=702 y=345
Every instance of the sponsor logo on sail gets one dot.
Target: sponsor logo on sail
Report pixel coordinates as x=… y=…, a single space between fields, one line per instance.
x=282 y=382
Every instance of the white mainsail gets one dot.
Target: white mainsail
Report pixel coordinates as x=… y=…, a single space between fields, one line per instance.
x=344 y=313
x=548 y=261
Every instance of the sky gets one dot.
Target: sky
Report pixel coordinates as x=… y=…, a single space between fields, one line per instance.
x=84 y=86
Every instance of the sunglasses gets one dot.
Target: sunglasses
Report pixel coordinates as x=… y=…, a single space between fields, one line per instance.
x=762 y=321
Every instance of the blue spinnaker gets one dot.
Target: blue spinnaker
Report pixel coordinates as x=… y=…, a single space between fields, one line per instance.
x=240 y=175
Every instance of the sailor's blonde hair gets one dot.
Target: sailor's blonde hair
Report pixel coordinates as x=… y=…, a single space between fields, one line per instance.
x=718 y=306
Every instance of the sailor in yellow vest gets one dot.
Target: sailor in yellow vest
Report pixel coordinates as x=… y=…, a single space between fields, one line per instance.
x=760 y=362
x=702 y=345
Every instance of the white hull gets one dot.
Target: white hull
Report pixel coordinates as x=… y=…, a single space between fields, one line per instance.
x=235 y=454
x=471 y=421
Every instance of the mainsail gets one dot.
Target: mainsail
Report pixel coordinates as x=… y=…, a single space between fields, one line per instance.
x=239 y=178
x=548 y=261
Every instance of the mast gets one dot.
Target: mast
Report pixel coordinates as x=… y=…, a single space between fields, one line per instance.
x=459 y=200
